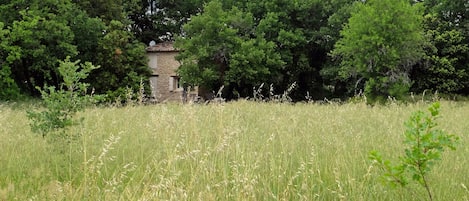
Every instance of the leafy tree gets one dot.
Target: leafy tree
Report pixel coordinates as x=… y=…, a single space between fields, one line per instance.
x=339 y=13
x=108 y=42
x=143 y=24
x=446 y=67
x=297 y=29
x=9 y=11
x=45 y=32
x=39 y=40
x=9 y=89
x=221 y=48
x=87 y=33
x=162 y=19
x=123 y=62
x=294 y=28
x=107 y=10
x=381 y=42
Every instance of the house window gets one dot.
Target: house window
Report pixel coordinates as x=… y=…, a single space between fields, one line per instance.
x=175 y=84
x=153 y=61
x=153 y=85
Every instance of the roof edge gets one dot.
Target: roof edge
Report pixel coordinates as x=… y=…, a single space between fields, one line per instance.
x=162 y=47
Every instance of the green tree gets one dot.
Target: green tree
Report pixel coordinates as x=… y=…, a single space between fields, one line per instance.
x=107 y=10
x=9 y=11
x=9 y=89
x=221 y=48
x=294 y=27
x=39 y=40
x=446 y=66
x=381 y=42
x=123 y=62
x=161 y=19
x=143 y=23
x=107 y=41
x=87 y=32
x=339 y=11
x=301 y=35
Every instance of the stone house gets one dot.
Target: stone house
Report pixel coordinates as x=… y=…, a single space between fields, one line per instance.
x=164 y=81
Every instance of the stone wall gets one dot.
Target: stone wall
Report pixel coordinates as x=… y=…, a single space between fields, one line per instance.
x=164 y=66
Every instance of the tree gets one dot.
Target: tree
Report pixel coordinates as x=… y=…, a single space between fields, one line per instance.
x=9 y=89
x=220 y=47
x=107 y=10
x=339 y=13
x=39 y=40
x=87 y=32
x=42 y=33
x=143 y=24
x=107 y=41
x=381 y=42
x=446 y=65
x=294 y=27
x=297 y=30
x=123 y=62
x=162 y=19
x=9 y=11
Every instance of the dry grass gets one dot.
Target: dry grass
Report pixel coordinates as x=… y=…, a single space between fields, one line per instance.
x=235 y=151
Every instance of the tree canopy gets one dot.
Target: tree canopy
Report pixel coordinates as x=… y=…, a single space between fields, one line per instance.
x=332 y=48
x=36 y=36
x=10 y=89
x=445 y=66
x=381 y=42
x=229 y=52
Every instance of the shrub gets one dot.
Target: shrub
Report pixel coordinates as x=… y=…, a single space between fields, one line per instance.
x=62 y=104
x=425 y=146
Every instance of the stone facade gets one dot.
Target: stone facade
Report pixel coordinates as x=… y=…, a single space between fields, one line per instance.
x=164 y=81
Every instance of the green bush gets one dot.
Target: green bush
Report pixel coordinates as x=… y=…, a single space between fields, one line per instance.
x=62 y=104
x=9 y=89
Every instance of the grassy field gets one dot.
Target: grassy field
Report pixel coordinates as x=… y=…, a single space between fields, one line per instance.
x=235 y=151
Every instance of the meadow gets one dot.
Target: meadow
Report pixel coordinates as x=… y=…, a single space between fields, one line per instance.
x=233 y=151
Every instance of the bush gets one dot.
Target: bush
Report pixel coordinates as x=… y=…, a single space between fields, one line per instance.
x=62 y=104
x=425 y=146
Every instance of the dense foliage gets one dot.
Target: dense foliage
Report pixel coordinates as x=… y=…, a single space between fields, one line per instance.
x=229 y=52
x=381 y=42
x=9 y=88
x=37 y=35
x=333 y=48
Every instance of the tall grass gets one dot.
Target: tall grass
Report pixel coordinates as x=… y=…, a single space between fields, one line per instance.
x=235 y=151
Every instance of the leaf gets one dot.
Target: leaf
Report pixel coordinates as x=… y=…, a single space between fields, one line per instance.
x=434 y=109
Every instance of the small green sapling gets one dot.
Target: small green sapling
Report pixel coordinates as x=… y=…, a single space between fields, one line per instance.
x=62 y=104
x=425 y=144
